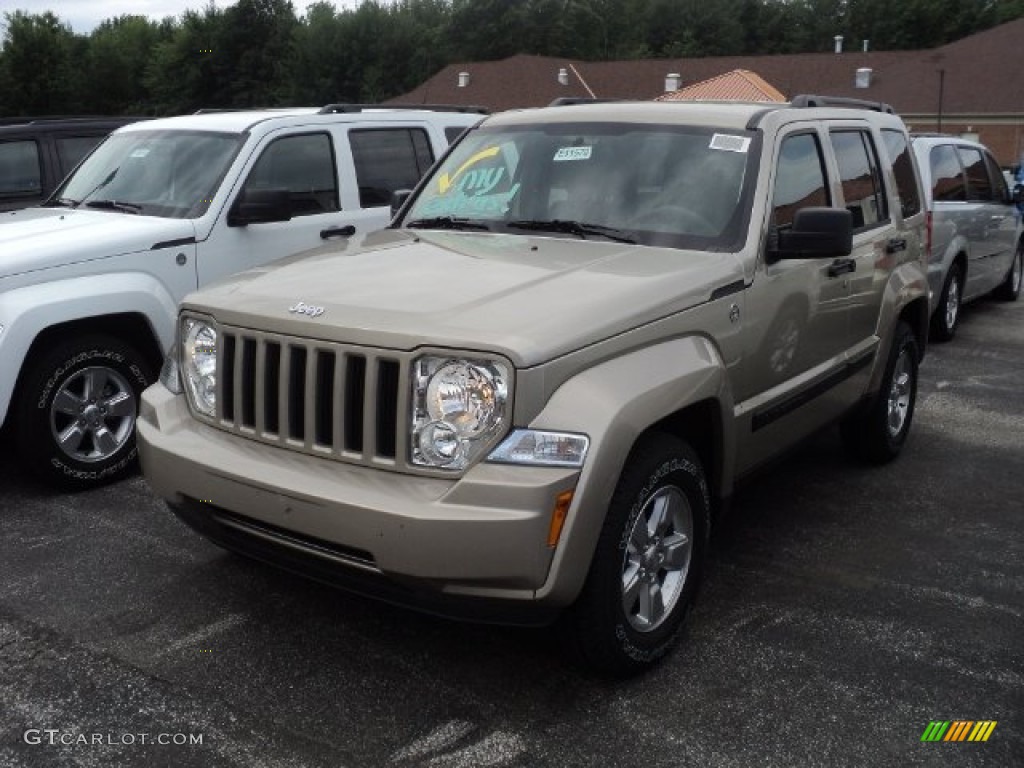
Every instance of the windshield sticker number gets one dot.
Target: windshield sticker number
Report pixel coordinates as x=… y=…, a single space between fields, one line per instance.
x=140 y=152
x=728 y=143
x=566 y=154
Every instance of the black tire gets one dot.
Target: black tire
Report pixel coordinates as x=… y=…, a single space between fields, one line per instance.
x=868 y=432
x=947 y=312
x=662 y=473
x=100 y=424
x=1009 y=289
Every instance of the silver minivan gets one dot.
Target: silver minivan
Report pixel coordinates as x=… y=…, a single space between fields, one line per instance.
x=974 y=239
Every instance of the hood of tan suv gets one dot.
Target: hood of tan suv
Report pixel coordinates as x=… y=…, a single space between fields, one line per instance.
x=530 y=299
x=40 y=238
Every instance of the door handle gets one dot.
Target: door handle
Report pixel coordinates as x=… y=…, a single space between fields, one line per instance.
x=346 y=231
x=997 y=217
x=895 y=245
x=841 y=267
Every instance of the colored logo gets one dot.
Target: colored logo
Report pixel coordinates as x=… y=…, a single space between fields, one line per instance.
x=958 y=730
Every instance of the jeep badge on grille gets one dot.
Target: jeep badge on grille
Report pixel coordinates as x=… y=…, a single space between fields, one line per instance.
x=302 y=308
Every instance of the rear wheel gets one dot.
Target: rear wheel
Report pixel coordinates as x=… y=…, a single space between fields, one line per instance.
x=877 y=432
x=76 y=411
x=947 y=313
x=1009 y=290
x=647 y=565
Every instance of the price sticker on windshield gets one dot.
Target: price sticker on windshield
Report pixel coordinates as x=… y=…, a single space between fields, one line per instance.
x=573 y=153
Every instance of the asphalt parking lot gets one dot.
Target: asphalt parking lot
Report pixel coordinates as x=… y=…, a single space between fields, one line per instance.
x=849 y=609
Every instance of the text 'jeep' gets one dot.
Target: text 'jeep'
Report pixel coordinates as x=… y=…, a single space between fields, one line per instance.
x=533 y=393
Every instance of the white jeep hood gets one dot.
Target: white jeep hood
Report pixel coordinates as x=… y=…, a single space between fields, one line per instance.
x=40 y=238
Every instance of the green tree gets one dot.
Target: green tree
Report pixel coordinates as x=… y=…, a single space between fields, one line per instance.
x=39 y=68
x=119 y=51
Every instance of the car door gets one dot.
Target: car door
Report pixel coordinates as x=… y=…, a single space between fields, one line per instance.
x=796 y=310
x=986 y=184
x=880 y=235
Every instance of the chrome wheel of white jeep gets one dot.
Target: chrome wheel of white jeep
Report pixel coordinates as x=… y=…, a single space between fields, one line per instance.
x=900 y=392
x=76 y=409
x=93 y=414
x=657 y=559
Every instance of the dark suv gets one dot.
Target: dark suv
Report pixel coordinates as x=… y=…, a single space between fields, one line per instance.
x=37 y=153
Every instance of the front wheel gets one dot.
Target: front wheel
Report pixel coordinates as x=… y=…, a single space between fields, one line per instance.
x=1009 y=289
x=647 y=565
x=76 y=411
x=877 y=432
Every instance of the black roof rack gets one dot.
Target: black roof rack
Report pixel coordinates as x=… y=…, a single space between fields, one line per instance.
x=342 y=108
x=570 y=101
x=36 y=120
x=805 y=100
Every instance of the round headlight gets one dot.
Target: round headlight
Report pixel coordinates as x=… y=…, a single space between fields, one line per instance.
x=463 y=395
x=200 y=359
x=459 y=408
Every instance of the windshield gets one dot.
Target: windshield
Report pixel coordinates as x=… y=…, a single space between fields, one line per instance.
x=664 y=185
x=171 y=174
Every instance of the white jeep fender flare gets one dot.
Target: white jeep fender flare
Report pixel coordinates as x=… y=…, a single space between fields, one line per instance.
x=27 y=312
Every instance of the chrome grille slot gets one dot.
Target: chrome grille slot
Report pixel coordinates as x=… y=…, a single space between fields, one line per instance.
x=313 y=396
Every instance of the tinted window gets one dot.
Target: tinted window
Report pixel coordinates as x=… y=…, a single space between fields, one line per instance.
x=800 y=178
x=387 y=160
x=948 y=182
x=304 y=165
x=20 y=174
x=72 y=149
x=996 y=174
x=452 y=132
x=903 y=170
x=863 y=194
x=979 y=185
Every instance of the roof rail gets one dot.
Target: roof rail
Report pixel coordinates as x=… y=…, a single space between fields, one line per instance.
x=570 y=101
x=805 y=100
x=931 y=135
x=342 y=108
x=53 y=118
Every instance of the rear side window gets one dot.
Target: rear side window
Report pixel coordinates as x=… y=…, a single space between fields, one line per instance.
x=898 y=148
x=20 y=174
x=452 y=132
x=979 y=185
x=388 y=159
x=948 y=183
x=799 y=179
x=863 y=193
x=71 y=149
x=996 y=174
x=304 y=165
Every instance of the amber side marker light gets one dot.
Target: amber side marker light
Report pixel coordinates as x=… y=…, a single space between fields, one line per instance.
x=558 y=515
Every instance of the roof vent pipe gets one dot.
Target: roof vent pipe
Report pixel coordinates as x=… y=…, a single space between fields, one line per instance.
x=672 y=81
x=863 y=78
x=866 y=46
x=563 y=76
x=839 y=43
x=463 y=79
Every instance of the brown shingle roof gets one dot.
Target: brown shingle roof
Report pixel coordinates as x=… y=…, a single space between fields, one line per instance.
x=738 y=85
x=980 y=76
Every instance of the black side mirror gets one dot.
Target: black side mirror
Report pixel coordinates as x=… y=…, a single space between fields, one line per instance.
x=816 y=233
x=398 y=198
x=257 y=206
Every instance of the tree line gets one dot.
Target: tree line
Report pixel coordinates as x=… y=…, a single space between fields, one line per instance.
x=259 y=53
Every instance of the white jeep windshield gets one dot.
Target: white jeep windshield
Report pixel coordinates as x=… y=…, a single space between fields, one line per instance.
x=171 y=174
x=664 y=185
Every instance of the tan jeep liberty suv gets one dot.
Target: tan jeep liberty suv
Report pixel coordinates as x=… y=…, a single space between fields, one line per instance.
x=530 y=397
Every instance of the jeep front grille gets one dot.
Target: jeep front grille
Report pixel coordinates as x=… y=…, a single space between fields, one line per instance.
x=320 y=397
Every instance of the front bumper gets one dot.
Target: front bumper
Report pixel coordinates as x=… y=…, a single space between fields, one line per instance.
x=472 y=547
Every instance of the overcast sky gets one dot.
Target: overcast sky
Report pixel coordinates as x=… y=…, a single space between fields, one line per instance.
x=85 y=15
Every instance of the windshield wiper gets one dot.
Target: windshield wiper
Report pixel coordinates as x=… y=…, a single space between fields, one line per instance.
x=114 y=205
x=61 y=202
x=446 y=222
x=578 y=228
